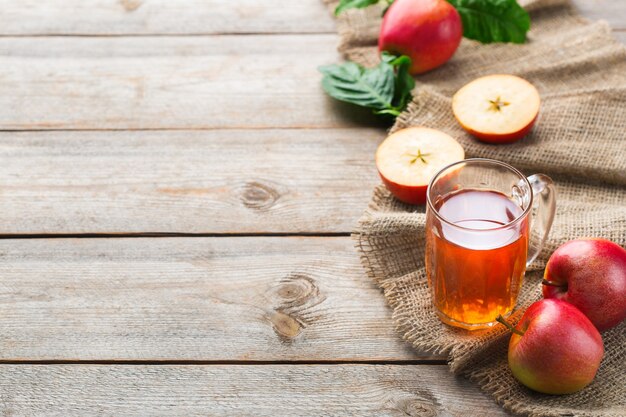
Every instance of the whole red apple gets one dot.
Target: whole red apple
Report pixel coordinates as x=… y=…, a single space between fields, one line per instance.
x=554 y=348
x=590 y=274
x=428 y=31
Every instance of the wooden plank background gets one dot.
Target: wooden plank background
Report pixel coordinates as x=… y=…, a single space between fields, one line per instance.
x=197 y=17
x=128 y=117
x=204 y=299
x=210 y=181
x=159 y=17
x=224 y=390
x=161 y=82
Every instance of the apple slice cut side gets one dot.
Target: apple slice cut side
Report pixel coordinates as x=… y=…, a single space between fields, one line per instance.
x=408 y=159
x=497 y=108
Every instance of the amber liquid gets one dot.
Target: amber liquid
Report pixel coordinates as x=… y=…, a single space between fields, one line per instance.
x=476 y=274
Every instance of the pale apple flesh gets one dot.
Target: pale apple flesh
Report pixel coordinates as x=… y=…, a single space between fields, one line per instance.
x=408 y=159
x=428 y=31
x=559 y=351
x=497 y=108
x=590 y=274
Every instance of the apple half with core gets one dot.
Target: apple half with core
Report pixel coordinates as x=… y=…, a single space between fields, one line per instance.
x=497 y=108
x=554 y=348
x=590 y=274
x=409 y=158
x=428 y=31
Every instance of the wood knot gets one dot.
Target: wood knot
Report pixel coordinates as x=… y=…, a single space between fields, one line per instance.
x=131 y=5
x=296 y=290
x=293 y=299
x=258 y=196
x=285 y=326
x=417 y=407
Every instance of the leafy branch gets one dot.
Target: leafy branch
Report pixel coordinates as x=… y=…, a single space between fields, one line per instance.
x=386 y=88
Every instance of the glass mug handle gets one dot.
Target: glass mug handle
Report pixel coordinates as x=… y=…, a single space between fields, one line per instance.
x=544 y=207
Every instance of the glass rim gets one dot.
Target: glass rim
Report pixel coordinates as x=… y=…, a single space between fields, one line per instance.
x=483 y=160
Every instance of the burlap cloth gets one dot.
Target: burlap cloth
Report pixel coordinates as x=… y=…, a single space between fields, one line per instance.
x=580 y=71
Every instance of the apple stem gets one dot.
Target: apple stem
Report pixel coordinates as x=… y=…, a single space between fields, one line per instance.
x=552 y=283
x=501 y=320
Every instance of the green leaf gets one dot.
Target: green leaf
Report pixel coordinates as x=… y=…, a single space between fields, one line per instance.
x=354 y=84
x=386 y=89
x=353 y=4
x=404 y=80
x=493 y=20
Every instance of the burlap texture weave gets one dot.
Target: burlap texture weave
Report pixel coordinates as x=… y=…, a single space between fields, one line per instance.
x=580 y=71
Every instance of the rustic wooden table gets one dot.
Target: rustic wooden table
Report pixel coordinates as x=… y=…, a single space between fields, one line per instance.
x=177 y=196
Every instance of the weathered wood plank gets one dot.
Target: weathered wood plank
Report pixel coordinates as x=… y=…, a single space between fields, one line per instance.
x=166 y=82
x=612 y=11
x=212 y=181
x=267 y=390
x=169 y=82
x=188 y=17
x=148 y=17
x=207 y=299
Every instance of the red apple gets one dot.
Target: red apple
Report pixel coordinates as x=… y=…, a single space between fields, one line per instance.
x=428 y=31
x=409 y=158
x=590 y=274
x=554 y=348
x=497 y=108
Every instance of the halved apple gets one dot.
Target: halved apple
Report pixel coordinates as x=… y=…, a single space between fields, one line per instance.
x=409 y=158
x=497 y=108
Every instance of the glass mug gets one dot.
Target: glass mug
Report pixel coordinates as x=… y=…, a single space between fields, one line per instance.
x=479 y=238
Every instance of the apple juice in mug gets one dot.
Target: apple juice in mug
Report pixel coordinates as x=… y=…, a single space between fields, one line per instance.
x=478 y=237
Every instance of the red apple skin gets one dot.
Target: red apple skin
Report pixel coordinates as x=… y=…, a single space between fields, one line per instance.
x=592 y=276
x=410 y=194
x=505 y=138
x=560 y=351
x=428 y=31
